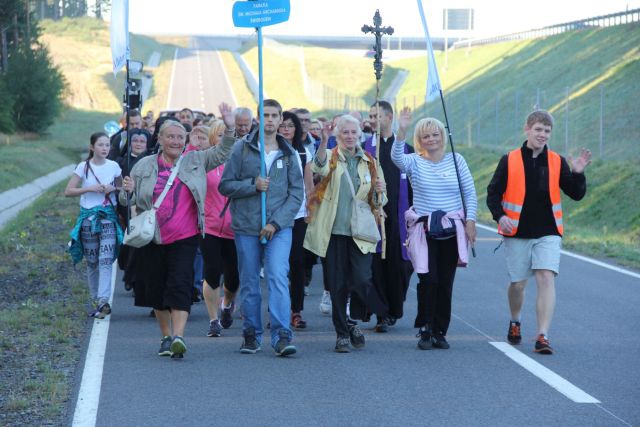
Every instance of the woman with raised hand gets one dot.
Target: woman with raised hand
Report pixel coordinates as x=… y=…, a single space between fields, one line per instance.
x=97 y=234
x=291 y=129
x=346 y=171
x=218 y=247
x=439 y=232
x=165 y=265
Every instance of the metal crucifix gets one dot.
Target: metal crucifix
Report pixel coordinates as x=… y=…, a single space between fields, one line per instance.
x=378 y=30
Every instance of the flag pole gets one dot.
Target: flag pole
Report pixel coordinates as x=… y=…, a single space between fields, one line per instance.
x=263 y=172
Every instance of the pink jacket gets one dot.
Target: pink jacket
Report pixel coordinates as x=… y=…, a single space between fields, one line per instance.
x=416 y=243
x=213 y=205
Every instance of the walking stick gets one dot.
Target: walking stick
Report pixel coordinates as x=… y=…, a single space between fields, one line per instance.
x=377 y=30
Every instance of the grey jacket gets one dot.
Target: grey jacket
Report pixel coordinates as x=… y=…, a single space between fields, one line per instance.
x=284 y=196
x=193 y=173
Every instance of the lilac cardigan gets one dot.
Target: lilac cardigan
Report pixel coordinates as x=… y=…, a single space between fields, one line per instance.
x=417 y=247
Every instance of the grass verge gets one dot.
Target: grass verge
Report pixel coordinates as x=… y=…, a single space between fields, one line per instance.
x=42 y=314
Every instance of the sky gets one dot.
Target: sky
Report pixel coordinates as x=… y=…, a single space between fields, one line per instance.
x=346 y=17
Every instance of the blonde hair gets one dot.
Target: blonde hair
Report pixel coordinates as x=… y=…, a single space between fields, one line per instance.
x=217 y=127
x=423 y=126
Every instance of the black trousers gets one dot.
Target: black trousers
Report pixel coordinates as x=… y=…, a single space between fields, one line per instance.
x=391 y=275
x=348 y=273
x=435 y=288
x=220 y=257
x=297 y=263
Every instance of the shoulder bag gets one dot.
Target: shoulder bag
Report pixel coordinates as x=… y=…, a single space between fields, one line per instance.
x=143 y=227
x=363 y=222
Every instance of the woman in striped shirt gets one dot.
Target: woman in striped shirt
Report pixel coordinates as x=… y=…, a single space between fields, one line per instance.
x=432 y=173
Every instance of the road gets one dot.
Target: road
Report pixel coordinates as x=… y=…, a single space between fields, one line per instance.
x=390 y=382
x=198 y=79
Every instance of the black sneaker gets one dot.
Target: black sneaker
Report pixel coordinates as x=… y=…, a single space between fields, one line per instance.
x=513 y=336
x=226 y=314
x=103 y=311
x=215 y=328
x=342 y=345
x=283 y=346
x=250 y=344
x=425 y=338
x=178 y=347
x=542 y=345
x=356 y=336
x=439 y=341
x=382 y=326
x=165 y=346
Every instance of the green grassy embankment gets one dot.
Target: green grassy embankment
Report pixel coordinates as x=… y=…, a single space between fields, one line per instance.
x=80 y=47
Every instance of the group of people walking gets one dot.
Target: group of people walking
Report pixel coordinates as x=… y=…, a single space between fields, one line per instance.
x=372 y=207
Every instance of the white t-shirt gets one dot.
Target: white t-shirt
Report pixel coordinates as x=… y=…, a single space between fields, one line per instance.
x=106 y=173
x=303 y=209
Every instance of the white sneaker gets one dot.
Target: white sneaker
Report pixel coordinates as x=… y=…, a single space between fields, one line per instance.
x=325 y=303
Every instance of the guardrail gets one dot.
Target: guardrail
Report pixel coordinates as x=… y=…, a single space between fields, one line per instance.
x=610 y=20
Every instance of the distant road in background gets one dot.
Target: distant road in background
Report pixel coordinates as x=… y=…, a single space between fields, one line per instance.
x=199 y=80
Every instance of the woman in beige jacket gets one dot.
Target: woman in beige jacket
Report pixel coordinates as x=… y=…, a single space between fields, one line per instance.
x=329 y=234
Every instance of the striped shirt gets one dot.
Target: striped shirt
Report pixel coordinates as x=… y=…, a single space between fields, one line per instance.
x=435 y=185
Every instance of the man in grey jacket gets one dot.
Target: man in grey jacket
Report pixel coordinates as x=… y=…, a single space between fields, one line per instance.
x=242 y=184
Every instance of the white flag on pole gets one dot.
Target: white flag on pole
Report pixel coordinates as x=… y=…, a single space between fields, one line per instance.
x=119 y=33
x=433 y=80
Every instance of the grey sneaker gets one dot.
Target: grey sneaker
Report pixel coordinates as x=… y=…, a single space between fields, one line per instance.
x=325 y=303
x=215 y=328
x=283 y=346
x=103 y=311
x=356 y=336
x=165 y=346
x=250 y=344
x=226 y=314
x=342 y=345
x=178 y=347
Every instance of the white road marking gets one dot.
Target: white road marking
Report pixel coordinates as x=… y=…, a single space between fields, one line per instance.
x=545 y=374
x=582 y=258
x=86 y=411
x=173 y=74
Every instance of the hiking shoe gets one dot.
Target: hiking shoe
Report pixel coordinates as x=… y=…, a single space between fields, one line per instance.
x=356 y=336
x=325 y=303
x=542 y=345
x=424 y=343
x=382 y=326
x=342 y=345
x=226 y=314
x=178 y=347
x=297 y=322
x=513 y=336
x=215 y=328
x=250 y=343
x=439 y=341
x=103 y=311
x=283 y=346
x=165 y=346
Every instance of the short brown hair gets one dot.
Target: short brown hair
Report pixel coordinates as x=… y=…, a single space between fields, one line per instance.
x=539 y=116
x=271 y=103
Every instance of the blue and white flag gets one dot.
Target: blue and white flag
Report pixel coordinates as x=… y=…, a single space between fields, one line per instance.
x=433 y=80
x=119 y=33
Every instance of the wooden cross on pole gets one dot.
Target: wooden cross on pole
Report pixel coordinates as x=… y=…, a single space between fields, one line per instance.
x=378 y=30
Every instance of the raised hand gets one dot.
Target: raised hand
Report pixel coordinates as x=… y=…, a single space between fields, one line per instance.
x=579 y=164
x=404 y=122
x=327 y=129
x=226 y=112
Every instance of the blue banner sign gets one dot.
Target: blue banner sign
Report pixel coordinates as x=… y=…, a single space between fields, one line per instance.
x=260 y=13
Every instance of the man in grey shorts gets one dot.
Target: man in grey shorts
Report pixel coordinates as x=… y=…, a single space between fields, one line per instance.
x=524 y=199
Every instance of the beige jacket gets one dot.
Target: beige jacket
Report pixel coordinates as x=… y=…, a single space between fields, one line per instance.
x=193 y=173
x=319 y=230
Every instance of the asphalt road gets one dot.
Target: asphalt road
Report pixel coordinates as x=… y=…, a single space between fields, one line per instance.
x=391 y=382
x=199 y=80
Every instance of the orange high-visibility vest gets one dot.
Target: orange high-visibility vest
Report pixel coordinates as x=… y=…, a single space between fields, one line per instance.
x=513 y=197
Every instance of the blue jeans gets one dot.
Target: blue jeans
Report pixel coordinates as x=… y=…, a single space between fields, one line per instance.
x=275 y=256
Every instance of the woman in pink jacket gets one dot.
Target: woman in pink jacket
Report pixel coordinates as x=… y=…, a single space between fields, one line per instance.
x=218 y=248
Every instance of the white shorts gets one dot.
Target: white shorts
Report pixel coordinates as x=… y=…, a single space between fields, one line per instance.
x=526 y=255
